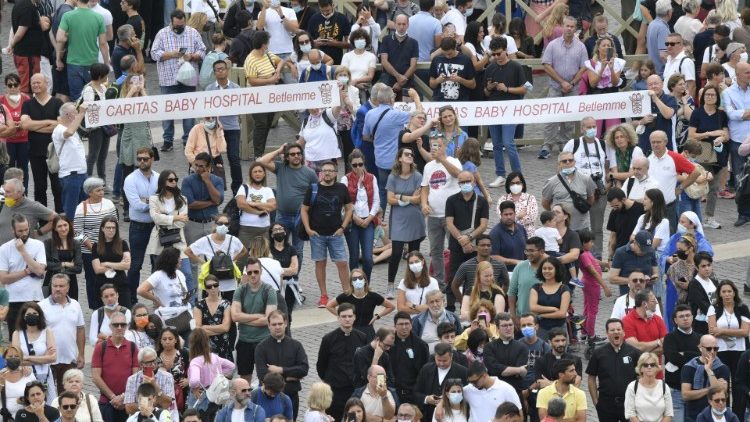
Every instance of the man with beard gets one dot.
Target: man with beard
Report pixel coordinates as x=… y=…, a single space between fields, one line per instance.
x=408 y=355
x=326 y=213
x=575 y=399
x=22 y=265
x=425 y=324
x=524 y=276
x=138 y=187
x=613 y=366
x=508 y=239
x=204 y=192
x=544 y=366
x=17 y=203
x=240 y=408
x=643 y=328
x=39 y=117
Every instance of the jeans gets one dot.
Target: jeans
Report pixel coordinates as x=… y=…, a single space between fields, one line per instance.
x=678 y=405
x=98 y=148
x=368 y=150
x=689 y=204
x=382 y=193
x=109 y=413
x=72 y=192
x=168 y=125
x=436 y=232
x=139 y=235
x=40 y=172
x=233 y=152
x=290 y=223
x=559 y=132
x=187 y=269
x=19 y=157
x=169 y=7
x=357 y=237
x=260 y=134
x=323 y=247
x=78 y=77
x=502 y=136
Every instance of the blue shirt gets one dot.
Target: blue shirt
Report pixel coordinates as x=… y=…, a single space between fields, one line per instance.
x=656 y=36
x=279 y=405
x=509 y=244
x=627 y=261
x=399 y=53
x=359 y=123
x=735 y=101
x=386 y=137
x=312 y=75
x=229 y=122
x=195 y=190
x=137 y=187
x=423 y=27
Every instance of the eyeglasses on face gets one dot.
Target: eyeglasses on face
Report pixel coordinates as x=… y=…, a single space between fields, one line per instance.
x=119 y=324
x=407 y=154
x=650 y=365
x=672 y=43
x=249 y=272
x=638 y=280
x=710 y=349
x=357 y=165
x=143 y=159
x=719 y=400
x=567 y=160
x=211 y=286
x=173 y=179
x=11 y=85
x=69 y=406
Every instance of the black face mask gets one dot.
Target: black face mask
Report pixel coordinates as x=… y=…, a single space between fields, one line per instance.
x=152 y=332
x=178 y=29
x=279 y=237
x=13 y=363
x=682 y=255
x=31 y=319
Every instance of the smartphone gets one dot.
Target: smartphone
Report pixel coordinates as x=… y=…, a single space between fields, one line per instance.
x=405 y=95
x=135 y=80
x=436 y=397
x=381 y=380
x=351 y=417
x=610 y=53
x=148 y=371
x=183 y=50
x=485 y=316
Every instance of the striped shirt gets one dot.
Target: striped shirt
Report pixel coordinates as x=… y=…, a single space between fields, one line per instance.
x=261 y=67
x=88 y=219
x=166 y=41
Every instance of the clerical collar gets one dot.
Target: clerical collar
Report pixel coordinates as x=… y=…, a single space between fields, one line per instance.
x=685 y=332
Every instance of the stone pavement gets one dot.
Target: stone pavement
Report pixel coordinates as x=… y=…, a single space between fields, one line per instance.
x=312 y=323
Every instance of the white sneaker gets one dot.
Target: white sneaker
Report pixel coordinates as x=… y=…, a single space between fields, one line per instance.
x=499 y=181
x=711 y=224
x=390 y=292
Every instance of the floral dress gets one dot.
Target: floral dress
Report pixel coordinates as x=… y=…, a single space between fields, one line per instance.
x=179 y=372
x=219 y=344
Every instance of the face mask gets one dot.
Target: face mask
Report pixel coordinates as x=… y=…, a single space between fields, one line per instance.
x=13 y=363
x=719 y=148
x=743 y=57
x=455 y=398
x=279 y=237
x=591 y=132
x=681 y=228
x=10 y=202
x=111 y=307
x=15 y=97
x=360 y=44
x=718 y=412
x=358 y=284
x=141 y=322
x=31 y=319
x=568 y=171
x=468 y=12
x=297 y=8
x=222 y=229
x=327 y=16
x=152 y=332
x=466 y=187
x=343 y=80
x=401 y=34
x=178 y=29
x=403 y=420
x=682 y=255
x=416 y=267
x=649 y=314
x=210 y=125
x=275 y=3
x=315 y=66
x=528 y=332
x=305 y=48
x=515 y=189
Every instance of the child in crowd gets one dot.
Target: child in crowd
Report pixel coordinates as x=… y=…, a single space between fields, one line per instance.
x=381 y=251
x=470 y=156
x=645 y=69
x=550 y=234
x=147 y=410
x=592 y=284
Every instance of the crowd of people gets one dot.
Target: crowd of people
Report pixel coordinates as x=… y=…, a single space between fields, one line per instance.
x=481 y=323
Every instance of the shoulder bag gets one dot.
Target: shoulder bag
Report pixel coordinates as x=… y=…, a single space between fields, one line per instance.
x=579 y=202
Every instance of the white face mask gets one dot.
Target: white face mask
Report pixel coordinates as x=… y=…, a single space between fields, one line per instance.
x=743 y=57
x=360 y=44
x=315 y=66
x=416 y=267
x=343 y=80
x=222 y=229
x=515 y=188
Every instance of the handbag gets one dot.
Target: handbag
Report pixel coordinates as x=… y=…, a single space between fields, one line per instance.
x=218 y=391
x=217 y=169
x=109 y=130
x=181 y=322
x=578 y=201
x=168 y=237
x=53 y=157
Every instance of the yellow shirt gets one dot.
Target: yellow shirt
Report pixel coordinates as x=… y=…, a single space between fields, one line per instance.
x=461 y=341
x=575 y=399
x=262 y=67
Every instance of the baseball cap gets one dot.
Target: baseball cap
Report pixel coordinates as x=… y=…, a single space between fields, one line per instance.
x=645 y=241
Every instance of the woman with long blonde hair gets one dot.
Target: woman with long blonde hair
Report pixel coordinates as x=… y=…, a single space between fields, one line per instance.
x=484 y=288
x=553 y=25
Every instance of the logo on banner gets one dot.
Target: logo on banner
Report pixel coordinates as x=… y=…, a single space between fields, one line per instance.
x=325 y=93
x=93 y=113
x=636 y=103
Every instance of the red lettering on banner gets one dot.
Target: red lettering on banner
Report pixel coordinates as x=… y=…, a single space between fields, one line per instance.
x=490 y=112
x=146 y=107
x=602 y=106
x=181 y=104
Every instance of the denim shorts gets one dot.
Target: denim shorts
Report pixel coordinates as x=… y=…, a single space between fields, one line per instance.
x=335 y=245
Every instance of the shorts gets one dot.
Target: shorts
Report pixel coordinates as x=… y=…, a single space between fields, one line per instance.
x=245 y=357
x=334 y=245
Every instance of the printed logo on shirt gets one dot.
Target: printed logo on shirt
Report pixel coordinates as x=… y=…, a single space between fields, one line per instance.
x=438 y=179
x=450 y=89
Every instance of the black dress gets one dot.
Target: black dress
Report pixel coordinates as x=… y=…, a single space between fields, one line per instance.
x=221 y=344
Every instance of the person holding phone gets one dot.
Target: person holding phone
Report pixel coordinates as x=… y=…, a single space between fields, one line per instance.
x=379 y=400
x=604 y=71
x=161 y=381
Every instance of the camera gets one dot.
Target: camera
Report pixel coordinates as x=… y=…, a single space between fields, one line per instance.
x=598 y=180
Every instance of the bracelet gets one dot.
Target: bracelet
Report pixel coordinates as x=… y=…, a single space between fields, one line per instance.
x=377 y=316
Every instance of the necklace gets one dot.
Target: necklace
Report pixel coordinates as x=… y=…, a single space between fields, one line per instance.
x=101 y=206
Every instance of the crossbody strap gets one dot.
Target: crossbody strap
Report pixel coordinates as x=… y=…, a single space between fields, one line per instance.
x=375 y=128
x=565 y=184
x=269 y=273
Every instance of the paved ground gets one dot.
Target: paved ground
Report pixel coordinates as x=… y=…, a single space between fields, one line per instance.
x=311 y=323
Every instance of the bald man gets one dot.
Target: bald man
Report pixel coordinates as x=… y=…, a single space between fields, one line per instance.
x=239 y=393
x=635 y=186
x=700 y=373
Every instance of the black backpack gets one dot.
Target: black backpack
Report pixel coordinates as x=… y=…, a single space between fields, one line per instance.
x=221 y=264
x=234 y=212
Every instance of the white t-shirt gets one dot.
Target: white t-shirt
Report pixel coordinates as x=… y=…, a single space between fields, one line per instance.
x=441 y=184
x=107 y=16
x=661 y=232
x=727 y=320
x=281 y=40
x=483 y=403
x=270 y=274
x=512 y=47
x=231 y=246
x=64 y=322
x=169 y=291
x=457 y=19
x=28 y=288
x=619 y=65
x=418 y=295
x=688 y=27
x=672 y=67
x=95 y=329
x=140 y=338
x=623 y=304
x=320 y=139
x=72 y=156
x=731 y=71
x=612 y=156
x=550 y=235
x=588 y=164
x=255 y=195
x=238 y=415
x=359 y=64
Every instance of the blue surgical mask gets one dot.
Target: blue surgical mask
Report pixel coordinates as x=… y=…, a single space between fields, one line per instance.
x=210 y=125
x=111 y=307
x=222 y=229
x=297 y=8
x=568 y=171
x=719 y=148
x=305 y=48
x=466 y=187
x=591 y=133
x=358 y=283
x=360 y=44
x=456 y=398
x=468 y=12
x=718 y=412
x=528 y=332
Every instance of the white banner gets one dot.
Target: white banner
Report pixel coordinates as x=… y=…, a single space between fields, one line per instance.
x=544 y=110
x=264 y=99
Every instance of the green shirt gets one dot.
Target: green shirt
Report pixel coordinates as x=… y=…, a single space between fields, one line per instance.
x=523 y=279
x=4 y=299
x=83 y=27
x=254 y=303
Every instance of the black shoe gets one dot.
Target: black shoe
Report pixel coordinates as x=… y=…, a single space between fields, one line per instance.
x=741 y=220
x=166 y=148
x=126 y=218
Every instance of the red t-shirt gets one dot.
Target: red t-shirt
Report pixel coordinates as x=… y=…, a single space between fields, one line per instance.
x=118 y=364
x=15 y=114
x=644 y=330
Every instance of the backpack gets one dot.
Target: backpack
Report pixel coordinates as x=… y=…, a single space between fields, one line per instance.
x=206 y=75
x=221 y=264
x=132 y=351
x=663 y=387
x=234 y=212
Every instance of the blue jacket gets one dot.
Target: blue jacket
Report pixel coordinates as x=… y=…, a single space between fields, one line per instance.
x=705 y=416
x=253 y=413
x=418 y=322
x=359 y=124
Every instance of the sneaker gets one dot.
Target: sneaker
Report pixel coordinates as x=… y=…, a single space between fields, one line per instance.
x=576 y=282
x=543 y=154
x=711 y=224
x=726 y=194
x=390 y=292
x=499 y=181
x=166 y=147
x=323 y=301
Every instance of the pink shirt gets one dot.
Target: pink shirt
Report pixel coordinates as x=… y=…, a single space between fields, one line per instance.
x=586 y=259
x=201 y=374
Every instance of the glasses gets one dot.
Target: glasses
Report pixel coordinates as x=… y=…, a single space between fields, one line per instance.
x=710 y=349
x=497 y=53
x=407 y=154
x=358 y=279
x=69 y=406
x=249 y=272
x=119 y=324
x=357 y=165
x=304 y=42
x=11 y=85
x=567 y=160
x=149 y=362
x=650 y=365
x=719 y=400
x=672 y=43
x=211 y=286
x=404 y=416
x=222 y=223
x=173 y=179
x=294 y=154
x=141 y=315
x=329 y=171
x=143 y=159
x=638 y=280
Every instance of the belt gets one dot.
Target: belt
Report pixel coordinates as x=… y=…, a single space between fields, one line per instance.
x=195 y=220
x=617 y=400
x=141 y=223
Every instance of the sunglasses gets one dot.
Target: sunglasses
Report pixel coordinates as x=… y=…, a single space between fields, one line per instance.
x=304 y=42
x=650 y=365
x=143 y=158
x=638 y=280
x=211 y=286
x=567 y=160
x=249 y=272
x=356 y=165
x=408 y=154
x=69 y=406
x=719 y=400
x=671 y=43
x=119 y=324
x=711 y=349
x=12 y=85
x=173 y=179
